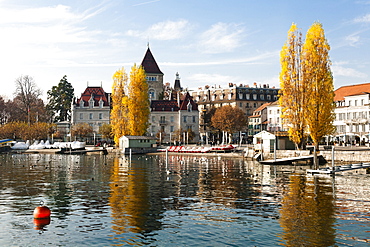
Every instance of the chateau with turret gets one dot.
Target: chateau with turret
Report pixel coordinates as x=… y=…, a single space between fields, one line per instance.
x=172 y=111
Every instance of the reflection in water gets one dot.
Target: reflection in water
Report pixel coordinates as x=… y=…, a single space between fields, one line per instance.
x=148 y=190
x=307 y=212
x=188 y=201
x=135 y=198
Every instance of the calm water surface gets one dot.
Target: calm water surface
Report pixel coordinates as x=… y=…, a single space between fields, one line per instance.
x=101 y=200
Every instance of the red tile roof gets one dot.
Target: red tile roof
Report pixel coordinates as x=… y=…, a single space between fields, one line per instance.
x=344 y=91
x=164 y=105
x=97 y=93
x=149 y=64
x=172 y=105
x=186 y=99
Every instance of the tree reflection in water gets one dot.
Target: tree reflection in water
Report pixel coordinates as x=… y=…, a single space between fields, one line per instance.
x=307 y=215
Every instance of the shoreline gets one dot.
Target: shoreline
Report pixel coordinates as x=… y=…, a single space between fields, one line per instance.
x=350 y=154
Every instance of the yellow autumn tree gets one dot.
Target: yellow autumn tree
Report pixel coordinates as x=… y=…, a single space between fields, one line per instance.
x=119 y=113
x=292 y=98
x=138 y=102
x=320 y=88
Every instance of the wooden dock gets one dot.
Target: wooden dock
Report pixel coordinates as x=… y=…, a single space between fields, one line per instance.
x=291 y=160
x=342 y=168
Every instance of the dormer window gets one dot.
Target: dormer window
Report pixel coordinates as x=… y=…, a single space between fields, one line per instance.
x=81 y=103
x=91 y=102
x=101 y=103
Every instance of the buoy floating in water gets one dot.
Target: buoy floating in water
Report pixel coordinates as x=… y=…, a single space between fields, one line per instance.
x=41 y=212
x=41 y=217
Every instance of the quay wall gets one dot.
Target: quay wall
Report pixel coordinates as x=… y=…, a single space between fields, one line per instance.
x=347 y=156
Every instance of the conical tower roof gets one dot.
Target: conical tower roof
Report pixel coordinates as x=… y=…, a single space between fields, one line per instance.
x=177 y=85
x=149 y=64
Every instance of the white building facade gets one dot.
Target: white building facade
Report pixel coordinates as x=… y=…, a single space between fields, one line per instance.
x=93 y=108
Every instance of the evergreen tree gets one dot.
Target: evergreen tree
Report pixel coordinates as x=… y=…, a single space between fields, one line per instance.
x=60 y=99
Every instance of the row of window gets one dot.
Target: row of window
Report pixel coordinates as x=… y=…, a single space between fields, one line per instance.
x=91 y=104
x=152 y=78
x=241 y=97
x=172 y=128
x=258 y=120
x=351 y=115
x=257 y=96
x=144 y=140
x=355 y=102
x=351 y=128
x=162 y=119
x=91 y=116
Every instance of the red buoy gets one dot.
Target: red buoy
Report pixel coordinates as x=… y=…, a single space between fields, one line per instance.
x=41 y=212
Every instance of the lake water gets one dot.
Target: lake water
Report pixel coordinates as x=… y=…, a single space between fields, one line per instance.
x=101 y=200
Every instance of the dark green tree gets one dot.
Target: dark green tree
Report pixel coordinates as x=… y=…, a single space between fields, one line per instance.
x=60 y=99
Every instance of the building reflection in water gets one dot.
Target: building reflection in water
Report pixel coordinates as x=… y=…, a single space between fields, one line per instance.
x=307 y=214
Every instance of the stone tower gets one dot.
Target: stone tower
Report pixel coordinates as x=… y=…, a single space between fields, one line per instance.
x=154 y=75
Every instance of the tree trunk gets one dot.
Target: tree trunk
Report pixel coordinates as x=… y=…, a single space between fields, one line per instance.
x=315 y=160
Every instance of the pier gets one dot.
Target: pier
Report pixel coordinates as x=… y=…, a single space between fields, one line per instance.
x=335 y=169
x=291 y=160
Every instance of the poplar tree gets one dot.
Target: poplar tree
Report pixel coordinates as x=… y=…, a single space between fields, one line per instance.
x=138 y=102
x=293 y=100
x=119 y=112
x=307 y=89
x=319 y=113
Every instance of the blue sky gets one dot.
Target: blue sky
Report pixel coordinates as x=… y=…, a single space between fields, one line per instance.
x=209 y=42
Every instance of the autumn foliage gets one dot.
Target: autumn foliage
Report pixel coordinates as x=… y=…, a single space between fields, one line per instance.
x=119 y=110
x=81 y=130
x=229 y=119
x=306 y=82
x=138 y=107
x=292 y=87
x=130 y=101
x=23 y=131
x=320 y=88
